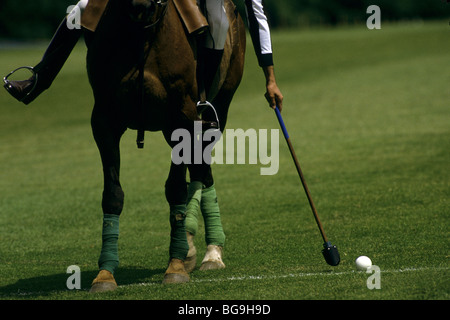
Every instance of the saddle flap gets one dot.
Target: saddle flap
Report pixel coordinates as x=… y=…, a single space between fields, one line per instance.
x=193 y=19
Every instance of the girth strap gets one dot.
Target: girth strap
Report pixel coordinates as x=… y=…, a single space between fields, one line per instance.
x=161 y=11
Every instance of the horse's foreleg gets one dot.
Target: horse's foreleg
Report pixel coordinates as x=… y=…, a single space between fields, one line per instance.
x=107 y=138
x=176 y=193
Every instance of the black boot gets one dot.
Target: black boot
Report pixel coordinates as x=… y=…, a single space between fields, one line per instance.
x=46 y=71
x=209 y=61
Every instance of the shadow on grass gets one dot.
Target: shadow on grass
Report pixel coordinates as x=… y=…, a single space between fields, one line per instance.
x=47 y=285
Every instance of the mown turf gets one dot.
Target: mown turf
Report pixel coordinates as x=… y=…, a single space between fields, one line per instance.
x=368 y=115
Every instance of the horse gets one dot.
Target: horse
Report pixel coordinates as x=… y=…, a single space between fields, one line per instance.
x=142 y=66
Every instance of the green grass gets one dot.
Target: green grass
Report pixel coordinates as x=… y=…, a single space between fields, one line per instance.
x=368 y=115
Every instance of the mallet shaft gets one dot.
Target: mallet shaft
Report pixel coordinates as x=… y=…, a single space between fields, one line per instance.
x=300 y=173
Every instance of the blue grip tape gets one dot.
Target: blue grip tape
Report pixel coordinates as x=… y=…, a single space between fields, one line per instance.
x=280 y=120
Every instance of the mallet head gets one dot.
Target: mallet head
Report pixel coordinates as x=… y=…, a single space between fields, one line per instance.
x=331 y=254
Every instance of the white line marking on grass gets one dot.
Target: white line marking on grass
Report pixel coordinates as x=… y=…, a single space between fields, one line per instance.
x=241 y=278
x=290 y=275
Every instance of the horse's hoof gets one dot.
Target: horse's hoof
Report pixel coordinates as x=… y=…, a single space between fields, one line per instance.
x=175 y=273
x=175 y=278
x=103 y=282
x=212 y=259
x=212 y=265
x=191 y=259
x=103 y=287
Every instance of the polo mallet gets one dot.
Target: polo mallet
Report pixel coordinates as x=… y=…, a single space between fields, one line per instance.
x=330 y=252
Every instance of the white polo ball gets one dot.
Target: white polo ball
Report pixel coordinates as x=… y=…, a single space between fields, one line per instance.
x=363 y=263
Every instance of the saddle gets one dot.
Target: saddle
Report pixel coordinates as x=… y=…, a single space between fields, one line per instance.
x=191 y=16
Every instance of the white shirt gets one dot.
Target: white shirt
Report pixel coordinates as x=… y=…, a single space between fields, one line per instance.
x=259 y=31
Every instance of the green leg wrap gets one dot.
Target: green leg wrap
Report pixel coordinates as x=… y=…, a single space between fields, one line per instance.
x=211 y=214
x=109 y=256
x=178 y=241
x=193 y=206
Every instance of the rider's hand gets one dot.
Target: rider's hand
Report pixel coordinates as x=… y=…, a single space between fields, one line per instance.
x=273 y=93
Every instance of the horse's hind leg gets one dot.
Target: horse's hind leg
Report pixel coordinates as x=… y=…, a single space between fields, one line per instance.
x=204 y=199
x=194 y=196
x=107 y=137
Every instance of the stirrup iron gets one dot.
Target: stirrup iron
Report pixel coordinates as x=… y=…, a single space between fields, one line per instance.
x=35 y=77
x=202 y=106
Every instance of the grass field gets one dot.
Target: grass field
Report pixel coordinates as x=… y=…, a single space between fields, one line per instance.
x=369 y=117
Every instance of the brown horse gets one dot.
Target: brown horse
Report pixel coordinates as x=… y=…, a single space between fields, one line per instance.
x=149 y=35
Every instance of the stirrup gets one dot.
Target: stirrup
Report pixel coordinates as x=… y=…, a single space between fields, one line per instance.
x=202 y=106
x=35 y=77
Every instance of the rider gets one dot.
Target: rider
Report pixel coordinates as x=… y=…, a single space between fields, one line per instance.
x=260 y=34
x=66 y=38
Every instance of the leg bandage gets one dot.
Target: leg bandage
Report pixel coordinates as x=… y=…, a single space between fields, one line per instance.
x=109 y=256
x=179 y=247
x=193 y=206
x=211 y=214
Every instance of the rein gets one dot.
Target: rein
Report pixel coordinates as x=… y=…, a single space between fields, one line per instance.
x=161 y=8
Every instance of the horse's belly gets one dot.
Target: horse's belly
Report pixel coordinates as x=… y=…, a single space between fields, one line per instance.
x=144 y=111
x=149 y=122
x=149 y=116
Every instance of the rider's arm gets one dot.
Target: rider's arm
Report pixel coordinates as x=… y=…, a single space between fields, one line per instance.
x=260 y=34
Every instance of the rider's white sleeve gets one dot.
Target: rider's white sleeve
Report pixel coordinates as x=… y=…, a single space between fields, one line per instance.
x=82 y=4
x=259 y=31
